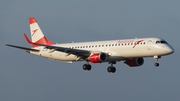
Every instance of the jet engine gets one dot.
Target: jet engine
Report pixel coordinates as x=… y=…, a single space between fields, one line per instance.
x=133 y=62
x=98 y=57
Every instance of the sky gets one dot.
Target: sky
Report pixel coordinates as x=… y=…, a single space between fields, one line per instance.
x=26 y=77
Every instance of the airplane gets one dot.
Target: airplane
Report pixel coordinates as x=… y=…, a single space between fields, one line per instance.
x=131 y=51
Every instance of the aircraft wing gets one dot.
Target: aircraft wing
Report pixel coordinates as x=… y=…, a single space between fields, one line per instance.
x=80 y=53
x=24 y=48
x=77 y=52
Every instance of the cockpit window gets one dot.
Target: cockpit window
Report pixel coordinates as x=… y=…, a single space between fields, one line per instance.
x=157 y=42
x=161 y=42
x=164 y=42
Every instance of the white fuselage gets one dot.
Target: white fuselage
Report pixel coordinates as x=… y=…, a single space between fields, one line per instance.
x=117 y=50
x=131 y=51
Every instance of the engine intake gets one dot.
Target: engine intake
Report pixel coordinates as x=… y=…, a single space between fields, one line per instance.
x=98 y=57
x=133 y=62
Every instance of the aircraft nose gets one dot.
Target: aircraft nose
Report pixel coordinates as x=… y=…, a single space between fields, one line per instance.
x=169 y=50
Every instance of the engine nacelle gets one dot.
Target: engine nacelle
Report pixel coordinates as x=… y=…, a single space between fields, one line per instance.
x=133 y=62
x=98 y=57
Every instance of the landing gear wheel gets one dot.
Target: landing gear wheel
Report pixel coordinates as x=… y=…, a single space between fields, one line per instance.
x=111 y=69
x=156 y=64
x=84 y=66
x=87 y=67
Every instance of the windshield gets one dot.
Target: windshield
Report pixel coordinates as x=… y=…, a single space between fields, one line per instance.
x=161 y=42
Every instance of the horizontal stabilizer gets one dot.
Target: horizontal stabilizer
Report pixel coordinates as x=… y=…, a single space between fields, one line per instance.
x=24 y=48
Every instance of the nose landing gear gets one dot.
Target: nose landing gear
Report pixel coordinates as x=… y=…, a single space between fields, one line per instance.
x=156 y=64
x=156 y=59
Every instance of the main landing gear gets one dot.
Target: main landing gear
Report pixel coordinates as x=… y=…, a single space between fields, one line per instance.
x=87 y=66
x=111 y=69
x=156 y=59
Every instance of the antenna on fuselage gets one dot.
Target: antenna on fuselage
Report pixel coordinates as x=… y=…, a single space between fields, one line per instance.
x=135 y=37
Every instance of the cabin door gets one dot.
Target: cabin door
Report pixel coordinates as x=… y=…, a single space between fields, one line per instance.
x=149 y=44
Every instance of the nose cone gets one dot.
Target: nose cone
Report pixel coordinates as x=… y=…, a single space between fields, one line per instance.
x=169 y=50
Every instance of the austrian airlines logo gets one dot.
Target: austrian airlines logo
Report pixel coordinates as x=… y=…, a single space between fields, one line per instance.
x=34 y=31
x=137 y=43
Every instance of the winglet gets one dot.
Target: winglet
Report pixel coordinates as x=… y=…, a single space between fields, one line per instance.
x=27 y=39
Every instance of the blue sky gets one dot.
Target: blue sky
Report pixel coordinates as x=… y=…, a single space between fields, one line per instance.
x=25 y=77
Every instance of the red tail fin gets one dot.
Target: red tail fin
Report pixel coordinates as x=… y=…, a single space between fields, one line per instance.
x=37 y=35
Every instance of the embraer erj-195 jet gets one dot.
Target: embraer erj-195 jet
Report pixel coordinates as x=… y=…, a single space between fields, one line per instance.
x=131 y=51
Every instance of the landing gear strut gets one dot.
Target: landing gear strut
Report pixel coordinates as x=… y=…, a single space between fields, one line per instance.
x=111 y=69
x=156 y=59
x=87 y=66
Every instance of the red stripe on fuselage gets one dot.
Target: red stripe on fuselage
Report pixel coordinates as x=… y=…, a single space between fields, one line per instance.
x=138 y=43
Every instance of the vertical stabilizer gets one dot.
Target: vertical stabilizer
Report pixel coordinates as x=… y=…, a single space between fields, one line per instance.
x=37 y=35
